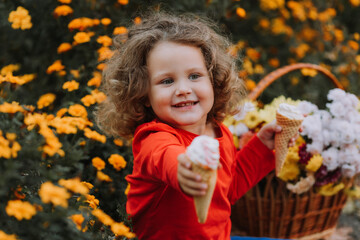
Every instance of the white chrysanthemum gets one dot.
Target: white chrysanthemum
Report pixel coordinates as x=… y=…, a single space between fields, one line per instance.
x=307 y=108
x=348 y=170
x=337 y=109
x=336 y=94
x=312 y=126
x=247 y=107
x=240 y=129
x=330 y=158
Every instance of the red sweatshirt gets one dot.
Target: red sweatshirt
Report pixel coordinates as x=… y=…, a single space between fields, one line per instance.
x=158 y=207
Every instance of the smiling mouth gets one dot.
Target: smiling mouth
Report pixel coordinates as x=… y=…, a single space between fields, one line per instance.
x=185 y=104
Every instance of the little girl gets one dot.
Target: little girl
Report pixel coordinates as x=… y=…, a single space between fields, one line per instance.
x=170 y=81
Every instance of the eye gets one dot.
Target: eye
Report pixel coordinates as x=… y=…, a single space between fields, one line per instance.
x=167 y=81
x=194 y=76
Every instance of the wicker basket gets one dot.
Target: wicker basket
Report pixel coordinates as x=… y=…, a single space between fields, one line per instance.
x=270 y=210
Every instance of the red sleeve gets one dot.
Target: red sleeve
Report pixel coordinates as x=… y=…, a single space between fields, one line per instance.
x=155 y=157
x=252 y=163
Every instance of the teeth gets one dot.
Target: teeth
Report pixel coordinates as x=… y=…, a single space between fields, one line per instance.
x=185 y=104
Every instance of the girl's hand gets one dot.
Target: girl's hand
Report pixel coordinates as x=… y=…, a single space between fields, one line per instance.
x=267 y=135
x=189 y=181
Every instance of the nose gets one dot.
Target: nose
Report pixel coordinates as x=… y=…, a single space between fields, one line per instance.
x=183 y=88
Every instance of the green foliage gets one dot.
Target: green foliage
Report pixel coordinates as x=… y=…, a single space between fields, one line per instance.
x=264 y=40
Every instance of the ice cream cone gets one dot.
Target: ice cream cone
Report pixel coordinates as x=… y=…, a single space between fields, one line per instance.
x=202 y=203
x=289 y=129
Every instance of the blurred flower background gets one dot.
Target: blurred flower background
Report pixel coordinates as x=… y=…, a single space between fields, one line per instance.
x=61 y=178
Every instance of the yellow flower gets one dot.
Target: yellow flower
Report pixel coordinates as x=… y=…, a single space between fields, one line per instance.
x=55 y=67
x=105 y=21
x=104 y=40
x=314 y=163
x=4 y=236
x=94 y=135
x=49 y=193
x=120 y=30
x=74 y=185
x=309 y=72
x=353 y=192
x=117 y=161
x=241 y=12
x=78 y=110
x=78 y=219
x=123 y=2
x=98 y=163
x=65 y=1
x=81 y=37
x=63 y=10
x=13 y=107
x=92 y=201
x=45 y=100
x=267 y=5
x=20 y=19
x=103 y=177
x=103 y=217
x=121 y=230
x=290 y=171
x=252 y=119
x=9 y=69
x=20 y=210
x=330 y=189
x=64 y=47
x=71 y=85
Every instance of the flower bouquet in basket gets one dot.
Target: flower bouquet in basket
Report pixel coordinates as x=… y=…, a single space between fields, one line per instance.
x=318 y=169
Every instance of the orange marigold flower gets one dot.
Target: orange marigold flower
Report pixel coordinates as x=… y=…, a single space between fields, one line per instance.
x=104 y=53
x=13 y=107
x=355 y=3
x=103 y=177
x=55 y=67
x=118 y=142
x=20 y=19
x=71 y=85
x=65 y=1
x=267 y=5
x=103 y=217
x=101 y=66
x=339 y=35
x=250 y=84
x=49 y=193
x=78 y=110
x=298 y=10
x=264 y=23
x=309 y=72
x=98 y=163
x=9 y=69
x=78 y=219
x=88 y=100
x=75 y=73
x=87 y=184
x=20 y=210
x=137 y=20
x=98 y=95
x=45 y=100
x=64 y=47
x=121 y=230
x=94 y=135
x=127 y=189
x=96 y=80
x=81 y=37
x=120 y=30
x=241 y=12
x=123 y=2
x=5 y=236
x=92 y=201
x=327 y=15
x=104 y=40
x=105 y=21
x=61 y=112
x=253 y=54
x=274 y=62
x=63 y=10
x=354 y=45
x=117 y=161
x=74 y=185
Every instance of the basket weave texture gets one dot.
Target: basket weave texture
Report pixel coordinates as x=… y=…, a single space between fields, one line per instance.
x=270 y=210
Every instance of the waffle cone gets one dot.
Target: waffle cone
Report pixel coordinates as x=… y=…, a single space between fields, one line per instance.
x=289 y=129
x=202 y=203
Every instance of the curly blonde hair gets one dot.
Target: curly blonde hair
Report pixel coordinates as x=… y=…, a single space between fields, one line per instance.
x=125 y=79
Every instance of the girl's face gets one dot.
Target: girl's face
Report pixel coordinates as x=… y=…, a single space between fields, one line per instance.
x=181 y=93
